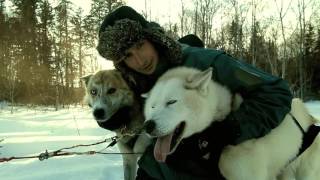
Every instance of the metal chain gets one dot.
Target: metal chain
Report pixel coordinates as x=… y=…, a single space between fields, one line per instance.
x=60 y=152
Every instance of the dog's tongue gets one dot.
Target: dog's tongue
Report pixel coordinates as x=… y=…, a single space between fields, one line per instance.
x=162 y=147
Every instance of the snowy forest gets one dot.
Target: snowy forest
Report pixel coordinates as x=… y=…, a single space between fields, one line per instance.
x=46 y=47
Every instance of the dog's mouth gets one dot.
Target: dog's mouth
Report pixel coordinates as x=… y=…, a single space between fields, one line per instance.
x=116 y=120
x=167 y=144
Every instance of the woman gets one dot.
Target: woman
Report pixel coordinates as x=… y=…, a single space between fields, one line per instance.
x=142 y=52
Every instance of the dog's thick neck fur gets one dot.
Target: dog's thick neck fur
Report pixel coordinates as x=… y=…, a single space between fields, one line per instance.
x=135 y=124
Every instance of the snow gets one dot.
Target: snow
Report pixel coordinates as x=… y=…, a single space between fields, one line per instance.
x=31 y=131
x=314 y=108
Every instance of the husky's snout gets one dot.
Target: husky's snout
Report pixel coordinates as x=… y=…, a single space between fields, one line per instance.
x=99 y=114
x=149 y=126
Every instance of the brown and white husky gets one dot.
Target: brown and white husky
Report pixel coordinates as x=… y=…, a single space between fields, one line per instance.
x=116 y=108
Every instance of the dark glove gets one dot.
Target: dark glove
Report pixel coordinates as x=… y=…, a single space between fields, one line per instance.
x=188 y=157
x=192 y=153
x=142 y=175
x=212 y=139
x=150 y=169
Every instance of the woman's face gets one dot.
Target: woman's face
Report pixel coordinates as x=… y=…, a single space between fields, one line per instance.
x=142 y=57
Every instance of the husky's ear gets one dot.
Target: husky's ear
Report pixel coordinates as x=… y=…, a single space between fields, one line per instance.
x=86 y=79
x=145 y=95
x=199 y=80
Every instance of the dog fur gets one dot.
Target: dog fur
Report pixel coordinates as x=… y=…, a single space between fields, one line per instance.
x=106 y=94
x=188 y=98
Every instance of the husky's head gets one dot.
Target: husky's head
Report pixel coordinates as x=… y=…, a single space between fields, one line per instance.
x=173 y=108
x=109 y=96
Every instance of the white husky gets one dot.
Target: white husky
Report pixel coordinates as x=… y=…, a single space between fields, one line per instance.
x=185 y=101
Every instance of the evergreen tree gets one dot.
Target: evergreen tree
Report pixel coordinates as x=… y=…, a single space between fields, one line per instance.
x=3 y=49
x=45 y=59
x=79 y=41
x=99 y=9
x=26 y=49
x=235 y=39
x=308 y=53
x=315 y=80
x=63 y=52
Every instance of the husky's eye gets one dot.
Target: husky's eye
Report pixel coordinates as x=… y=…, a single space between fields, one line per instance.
x=171 y=102
x=93 y=92
x=111 y=91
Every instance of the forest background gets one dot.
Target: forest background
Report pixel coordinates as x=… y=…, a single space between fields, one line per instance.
x=47 y=45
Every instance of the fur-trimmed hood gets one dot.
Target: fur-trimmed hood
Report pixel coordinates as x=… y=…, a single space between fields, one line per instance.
x=122 y=29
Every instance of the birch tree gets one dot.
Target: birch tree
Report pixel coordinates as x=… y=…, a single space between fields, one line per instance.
x=283 y=10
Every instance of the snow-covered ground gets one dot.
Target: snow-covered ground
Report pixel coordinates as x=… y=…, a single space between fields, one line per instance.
x=30 y=131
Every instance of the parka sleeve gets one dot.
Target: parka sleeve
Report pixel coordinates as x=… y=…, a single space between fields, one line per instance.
x=266 y=98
